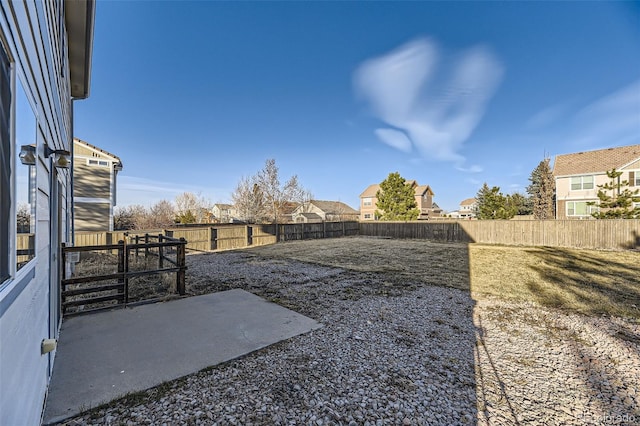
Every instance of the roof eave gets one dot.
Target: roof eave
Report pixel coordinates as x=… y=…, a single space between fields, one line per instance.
x=79 y=18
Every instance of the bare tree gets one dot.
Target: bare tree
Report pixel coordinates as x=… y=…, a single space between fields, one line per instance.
x=123 y=218
x=275 y=195
x=162 y=214
x=23 y=218
x=248 y=200
x=191 y=208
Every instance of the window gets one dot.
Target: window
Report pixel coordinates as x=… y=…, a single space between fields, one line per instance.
x=634 y=178
x=17 y=173
x=580 y=208
x=6 y=164
x=25 y=179
x=97 y=163
x=581 y=182
x=366 y=201
x=367 y=216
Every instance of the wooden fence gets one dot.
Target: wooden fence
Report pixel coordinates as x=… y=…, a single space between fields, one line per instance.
x=86 y=292
x=229 y=237
x=613 y=234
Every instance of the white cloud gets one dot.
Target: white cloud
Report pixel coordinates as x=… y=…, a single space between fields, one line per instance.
x=546 y=117
x=436 y=118
x=471 y=169
x=395 y=139
x=613 y=120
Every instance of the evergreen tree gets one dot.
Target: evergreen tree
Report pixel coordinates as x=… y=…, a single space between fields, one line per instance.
x=396 y=199
x=542 y=191
x=616 y=199
x=522 y=204
x=492 y=204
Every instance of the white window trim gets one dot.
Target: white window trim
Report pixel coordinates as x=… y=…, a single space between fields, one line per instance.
x=590 y=209
x=582 y=188
x=95 y=162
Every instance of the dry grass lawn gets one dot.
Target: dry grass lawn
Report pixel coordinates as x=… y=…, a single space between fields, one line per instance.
x=584 y=281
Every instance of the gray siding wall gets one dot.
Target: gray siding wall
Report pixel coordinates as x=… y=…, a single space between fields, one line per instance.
x=33 y=35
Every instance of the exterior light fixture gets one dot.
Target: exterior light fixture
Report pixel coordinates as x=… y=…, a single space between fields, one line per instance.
x=28 y=155
x=61 y=157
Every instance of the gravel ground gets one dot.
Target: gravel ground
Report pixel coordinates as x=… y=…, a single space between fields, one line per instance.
x=398 y=352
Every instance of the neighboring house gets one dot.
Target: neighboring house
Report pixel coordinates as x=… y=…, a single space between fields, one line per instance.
x=468 y=208
x=94 y=187
x=319 y=211
x=224 y=213
x=578 y=175
x=424 y=201
x=285 y=214
x=45 y=64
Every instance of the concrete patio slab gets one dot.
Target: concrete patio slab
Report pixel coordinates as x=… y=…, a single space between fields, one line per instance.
x=106 y=355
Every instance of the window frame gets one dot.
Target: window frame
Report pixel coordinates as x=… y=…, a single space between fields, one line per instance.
x=93 y=162
x=367 y=201
x=588 y=208
x=32 y=185
x=7 y=161
x=582 y=183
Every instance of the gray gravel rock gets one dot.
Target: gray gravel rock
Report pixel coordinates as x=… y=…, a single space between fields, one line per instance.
x=397 y=353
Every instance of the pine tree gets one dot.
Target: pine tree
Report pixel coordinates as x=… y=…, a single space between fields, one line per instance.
x=619 y=204
x=542 y=191
x=396 y=199
x=492 y=204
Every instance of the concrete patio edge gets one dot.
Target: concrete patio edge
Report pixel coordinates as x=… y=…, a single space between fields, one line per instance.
x=107 y=355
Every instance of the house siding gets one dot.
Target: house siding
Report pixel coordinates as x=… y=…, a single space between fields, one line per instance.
x=33 y=34
x=632 y=166
x=91 y=181
x=92 y=216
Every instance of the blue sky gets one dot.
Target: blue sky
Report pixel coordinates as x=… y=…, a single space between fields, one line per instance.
x=194 y=95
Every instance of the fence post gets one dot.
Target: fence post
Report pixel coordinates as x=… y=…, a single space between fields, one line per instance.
x=121 y=250
x=249 y=235
x=324 y=229
x=160 y=252
x=214 y=238
x=137 y=242
x=344 y=233
x=180 y=260
x=146 y=245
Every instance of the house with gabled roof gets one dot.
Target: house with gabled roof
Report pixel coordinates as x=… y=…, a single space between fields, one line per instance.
x=468 y=208
x=224 y=213
x=94 y=186
x=423 y=195
x=578 y=175
x=327 y=211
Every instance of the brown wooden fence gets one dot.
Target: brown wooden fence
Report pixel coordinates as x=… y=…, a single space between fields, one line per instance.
x=615 y=234
x=92 y=291
x=618 y=234
x=229 y=237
